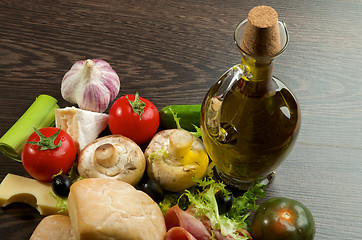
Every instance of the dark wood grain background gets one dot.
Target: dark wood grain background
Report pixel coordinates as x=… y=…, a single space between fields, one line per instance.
x=172 y=52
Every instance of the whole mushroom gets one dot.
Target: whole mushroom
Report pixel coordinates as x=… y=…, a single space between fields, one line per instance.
x=113 y=156
x=174 y=157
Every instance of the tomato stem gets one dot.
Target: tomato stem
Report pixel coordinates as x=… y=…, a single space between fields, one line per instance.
x=137 y=105
x=46 y=142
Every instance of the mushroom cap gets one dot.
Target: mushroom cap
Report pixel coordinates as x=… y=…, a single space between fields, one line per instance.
x=113 y=156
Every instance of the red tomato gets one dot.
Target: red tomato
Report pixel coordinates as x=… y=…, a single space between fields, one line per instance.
x=43 y=164
x=130 y=121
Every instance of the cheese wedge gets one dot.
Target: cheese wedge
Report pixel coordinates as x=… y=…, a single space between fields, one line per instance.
x=16 y=188
x=83 y=126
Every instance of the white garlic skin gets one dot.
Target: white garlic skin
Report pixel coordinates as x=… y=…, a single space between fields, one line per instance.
x=91 y=84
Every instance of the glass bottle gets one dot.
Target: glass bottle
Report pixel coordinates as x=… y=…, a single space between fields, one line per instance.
x=249 y=118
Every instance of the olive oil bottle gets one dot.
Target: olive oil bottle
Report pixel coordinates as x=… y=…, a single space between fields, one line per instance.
x=249 y=118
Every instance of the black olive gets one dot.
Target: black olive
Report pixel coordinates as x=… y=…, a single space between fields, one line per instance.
x=153 y=189
x=61 y=185
x=183 y=202
x=224 y=203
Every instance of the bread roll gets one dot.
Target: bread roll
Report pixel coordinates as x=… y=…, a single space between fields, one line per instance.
x=104 y=208
x=53 y=227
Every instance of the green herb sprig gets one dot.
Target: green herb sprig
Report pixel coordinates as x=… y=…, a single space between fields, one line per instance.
x=197 y=132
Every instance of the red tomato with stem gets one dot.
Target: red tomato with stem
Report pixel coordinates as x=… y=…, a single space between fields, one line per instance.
x=134 y=117
x=47 y=152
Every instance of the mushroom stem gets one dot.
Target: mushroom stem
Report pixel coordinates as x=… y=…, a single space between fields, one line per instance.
x=180 y=143
x=106 y=155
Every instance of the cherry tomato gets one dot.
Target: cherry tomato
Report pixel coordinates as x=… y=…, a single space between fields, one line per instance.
x=134 y=117
x=283 y=219
x=47 y=152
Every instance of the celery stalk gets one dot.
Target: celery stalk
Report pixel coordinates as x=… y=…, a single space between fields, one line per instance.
x=39 y=115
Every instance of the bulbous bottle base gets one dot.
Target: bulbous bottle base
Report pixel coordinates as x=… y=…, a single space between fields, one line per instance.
x=240 y=184
x=248 y=137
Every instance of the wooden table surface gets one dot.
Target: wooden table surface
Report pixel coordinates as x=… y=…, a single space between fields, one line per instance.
x=172 y=52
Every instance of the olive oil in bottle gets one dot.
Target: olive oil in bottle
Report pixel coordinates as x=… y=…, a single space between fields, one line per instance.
x=250 y=119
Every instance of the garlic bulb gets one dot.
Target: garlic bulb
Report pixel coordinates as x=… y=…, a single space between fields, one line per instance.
x=91 y=84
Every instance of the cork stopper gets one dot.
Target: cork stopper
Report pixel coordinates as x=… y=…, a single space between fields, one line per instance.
x=261 y=36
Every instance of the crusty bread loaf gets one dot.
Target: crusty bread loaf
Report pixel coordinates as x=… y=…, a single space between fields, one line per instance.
x=53 y=227
x=103 y=208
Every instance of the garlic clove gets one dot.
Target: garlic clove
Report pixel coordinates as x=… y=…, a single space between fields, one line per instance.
x=94 y=98
x=91 y=84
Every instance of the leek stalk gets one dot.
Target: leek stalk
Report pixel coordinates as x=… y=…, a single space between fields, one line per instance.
x=39 y=115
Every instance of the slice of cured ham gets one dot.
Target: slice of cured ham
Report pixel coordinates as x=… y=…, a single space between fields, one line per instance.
x=178 y=233
x=183 y=225
x=217 y=233
x=175 y=217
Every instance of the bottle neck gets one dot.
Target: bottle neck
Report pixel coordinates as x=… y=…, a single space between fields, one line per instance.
x=260 y=71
